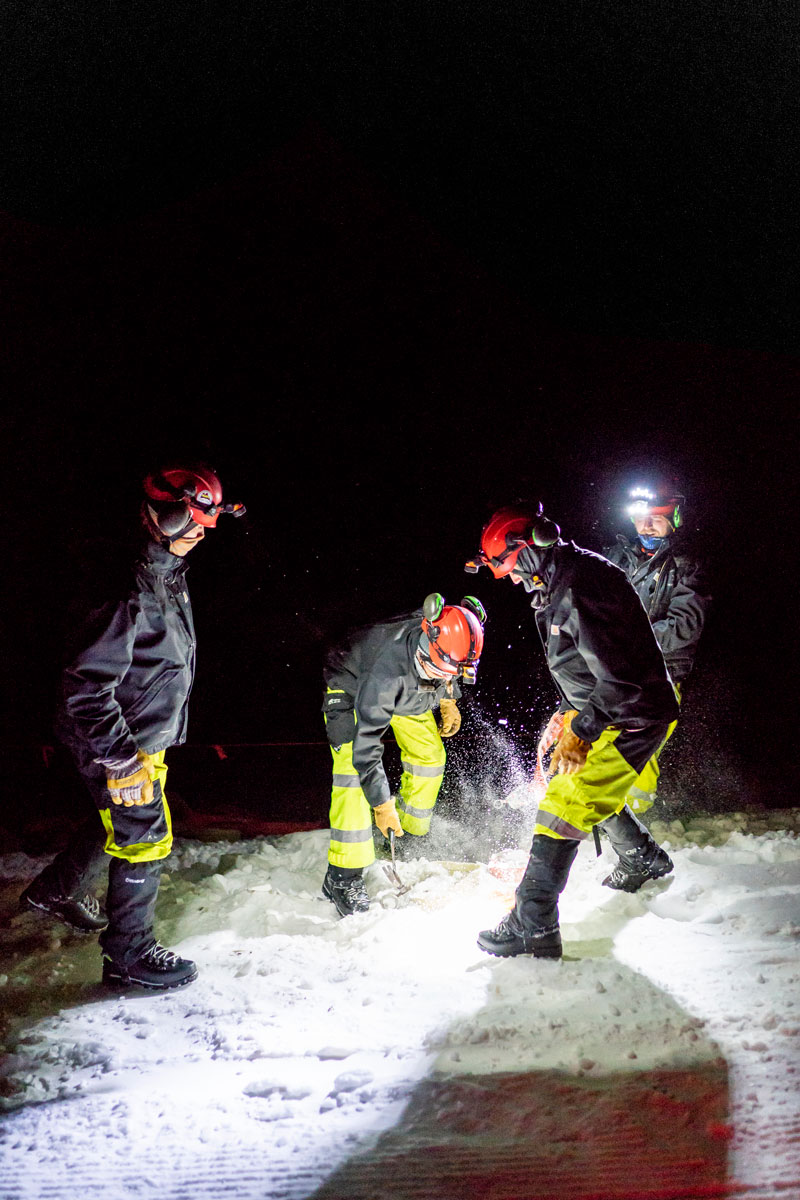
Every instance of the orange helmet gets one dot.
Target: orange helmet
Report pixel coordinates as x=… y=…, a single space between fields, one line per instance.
x=184 y=496
x=452 y=635
x=506 y=533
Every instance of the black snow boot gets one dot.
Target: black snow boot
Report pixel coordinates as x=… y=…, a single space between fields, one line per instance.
x=532 y=925
x=65 y=889
x=157 y=968
x=82 y=913
x=345 y=888
x=640 y=856
x=509 y=939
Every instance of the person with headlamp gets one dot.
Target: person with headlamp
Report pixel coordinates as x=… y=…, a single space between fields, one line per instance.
x=123 y=702
x=672 y=585
x=616 y=704
x=392 y=675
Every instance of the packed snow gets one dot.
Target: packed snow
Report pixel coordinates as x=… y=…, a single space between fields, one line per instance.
x=305 y=1035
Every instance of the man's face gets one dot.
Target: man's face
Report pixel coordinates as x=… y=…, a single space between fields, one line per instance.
x=187 y=541
x=431 y=671
x=652 y=525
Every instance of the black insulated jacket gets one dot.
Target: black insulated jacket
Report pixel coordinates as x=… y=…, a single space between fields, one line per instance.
x=601 y=649
x=673 y=587
x=126 y=686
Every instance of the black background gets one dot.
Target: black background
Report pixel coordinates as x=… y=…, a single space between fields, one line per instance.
x=388 y=267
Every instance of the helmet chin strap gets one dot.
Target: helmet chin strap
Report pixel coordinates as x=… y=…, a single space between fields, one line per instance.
x=532 y=567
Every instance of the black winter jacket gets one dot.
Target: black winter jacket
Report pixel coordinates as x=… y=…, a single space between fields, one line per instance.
x=600 y=647
x=672 y=586
x=127 y=684
x=375 y=669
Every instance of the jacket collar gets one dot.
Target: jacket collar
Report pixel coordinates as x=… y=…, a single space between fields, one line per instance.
x=161 y=561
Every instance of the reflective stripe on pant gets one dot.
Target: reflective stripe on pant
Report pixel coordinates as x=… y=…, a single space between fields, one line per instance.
x=143 y=832
x=423 y=758
x=574 y=804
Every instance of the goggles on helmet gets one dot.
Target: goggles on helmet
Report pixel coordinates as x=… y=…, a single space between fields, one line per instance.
x=196 y=488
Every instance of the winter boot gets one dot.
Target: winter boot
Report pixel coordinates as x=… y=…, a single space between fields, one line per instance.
x=65 y=888
x=510 y=939
x=156 y=968
x=82 y=913
x=345 y=888
x=640 y=856
x=532 y=925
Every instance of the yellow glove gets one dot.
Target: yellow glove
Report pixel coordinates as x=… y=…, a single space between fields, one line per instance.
x=386 y=818
x=449 y=717
x=136 y=787
x=570 y=753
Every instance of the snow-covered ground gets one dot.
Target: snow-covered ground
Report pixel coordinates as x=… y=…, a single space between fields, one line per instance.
x=306 y=1037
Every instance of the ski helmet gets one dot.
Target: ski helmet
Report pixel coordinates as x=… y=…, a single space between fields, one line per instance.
x=504 y=535
x=182 y=496
x=452 y=635
x=659 y=497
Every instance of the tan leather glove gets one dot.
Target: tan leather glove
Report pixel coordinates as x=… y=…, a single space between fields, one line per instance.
x=553 y=730
x=386 y=818
x=135 y=787
x=449 y=717
x=570 y=753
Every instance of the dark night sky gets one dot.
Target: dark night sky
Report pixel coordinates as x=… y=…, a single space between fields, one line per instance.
x=388 y=266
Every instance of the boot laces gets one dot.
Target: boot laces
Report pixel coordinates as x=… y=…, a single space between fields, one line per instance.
x=92 y=905
x=354 y=889
x=160 y=956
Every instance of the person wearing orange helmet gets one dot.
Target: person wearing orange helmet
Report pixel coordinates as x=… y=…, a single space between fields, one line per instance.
x=616 y=704
x=123 y=701
x=392 y=674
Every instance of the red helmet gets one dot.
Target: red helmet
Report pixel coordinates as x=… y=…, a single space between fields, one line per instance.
x=192 y=493
x=453 y=635
x=506 y=533
x=661 y=497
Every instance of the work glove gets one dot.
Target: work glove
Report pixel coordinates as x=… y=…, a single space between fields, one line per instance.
x=386 y=818
x=553 y=730
x=449 y=717
x=131 y=783
x=570 y=753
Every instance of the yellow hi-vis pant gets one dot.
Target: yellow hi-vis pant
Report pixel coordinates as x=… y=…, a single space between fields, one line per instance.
x=143 y=832
x=423 y=758
x=643 y=792
x=574 y=804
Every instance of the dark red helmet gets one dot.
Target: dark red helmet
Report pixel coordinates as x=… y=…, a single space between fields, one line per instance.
x=506 y=533
x=661 y=497
x=193 y=493
x=452 y=638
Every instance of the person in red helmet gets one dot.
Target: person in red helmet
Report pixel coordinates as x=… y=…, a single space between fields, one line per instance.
x=616 y=704
x=123 y=702
x=392 y=674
